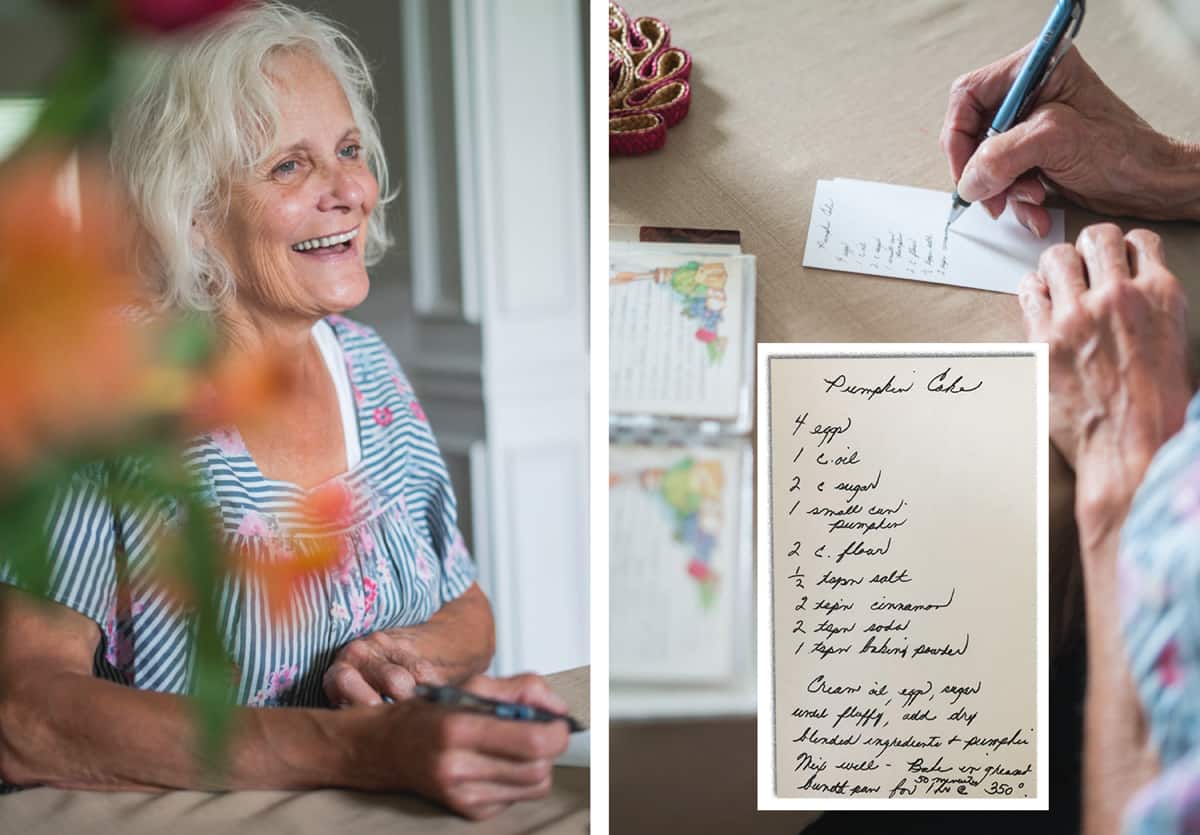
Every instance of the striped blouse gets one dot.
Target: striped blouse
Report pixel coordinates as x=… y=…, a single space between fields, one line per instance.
x=401 y=555
x=1159 y=583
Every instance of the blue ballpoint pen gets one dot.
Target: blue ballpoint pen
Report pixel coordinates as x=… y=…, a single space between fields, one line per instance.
x=1052 y=44
x=455 y=697
x=464 y=700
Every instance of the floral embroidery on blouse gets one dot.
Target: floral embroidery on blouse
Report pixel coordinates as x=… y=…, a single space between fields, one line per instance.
x=1170 y=671
x=457 y=550
x=118 y=640
x=278 y=684
x=255 y=525
x=364 y=607
x=347 y=564
x=1186 y=503
x=229 y=441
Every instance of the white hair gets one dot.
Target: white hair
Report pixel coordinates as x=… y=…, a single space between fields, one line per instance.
x=204 y=114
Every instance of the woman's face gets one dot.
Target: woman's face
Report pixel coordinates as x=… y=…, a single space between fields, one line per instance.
x=314 y=186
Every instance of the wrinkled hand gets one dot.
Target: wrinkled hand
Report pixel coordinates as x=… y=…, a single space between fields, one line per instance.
x=377 y=665
x=1115 y=319
x=475 y=765
x=1079 y=136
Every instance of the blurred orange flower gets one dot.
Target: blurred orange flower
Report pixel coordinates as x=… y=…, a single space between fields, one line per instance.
x=280 y=569
x=240 y=388
x=69 y=357
x=296 y=560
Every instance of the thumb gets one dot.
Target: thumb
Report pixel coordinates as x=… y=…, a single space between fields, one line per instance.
x=1003 y=158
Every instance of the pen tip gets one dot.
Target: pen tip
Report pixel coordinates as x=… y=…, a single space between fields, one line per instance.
x=957 y=207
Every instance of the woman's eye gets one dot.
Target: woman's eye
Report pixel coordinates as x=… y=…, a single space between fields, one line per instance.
x=351 y=151
x=286 y=167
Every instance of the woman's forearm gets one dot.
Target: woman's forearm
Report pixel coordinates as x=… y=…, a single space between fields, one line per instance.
x=457 y=642
x=71 y=730
x=1117 y=755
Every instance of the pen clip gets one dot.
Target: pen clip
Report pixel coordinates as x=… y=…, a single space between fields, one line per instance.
x=1078 y=7
x=1077 y=10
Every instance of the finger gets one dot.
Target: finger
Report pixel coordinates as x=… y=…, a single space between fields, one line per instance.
x=1028 y=188
x=421 y=670
x=1145 y=252
x=1034 y=296
x=529 y=688
x=515 y=740
x=1102 y=246
x=481 y=800
x=995 y=205
x=1001 y=160
x=1034 y=218
x=391 y=680
x=477 y=766
x=1062 y=268
x=974 y=97
x=1148 y=262
x=506 y=793
x=344 y=686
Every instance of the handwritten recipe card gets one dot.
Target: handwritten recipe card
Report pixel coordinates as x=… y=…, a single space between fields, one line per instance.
x=902 y=609
x=676 y=334
x=900 y=232
x=675 y=524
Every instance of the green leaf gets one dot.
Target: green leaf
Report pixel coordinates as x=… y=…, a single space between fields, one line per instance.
x=190 y=341
x=82 y=96
x=203 y=557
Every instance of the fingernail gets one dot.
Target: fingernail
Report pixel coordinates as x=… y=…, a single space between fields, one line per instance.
x=995 y=213
x=968 y=186
x=1027 y=194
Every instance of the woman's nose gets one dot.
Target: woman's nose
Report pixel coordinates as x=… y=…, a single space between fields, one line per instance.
x=344 y=191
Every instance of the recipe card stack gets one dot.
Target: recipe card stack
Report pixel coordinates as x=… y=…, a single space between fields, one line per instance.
x=681 y=370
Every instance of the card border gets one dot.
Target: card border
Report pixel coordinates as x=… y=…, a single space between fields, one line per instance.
x=768 y=800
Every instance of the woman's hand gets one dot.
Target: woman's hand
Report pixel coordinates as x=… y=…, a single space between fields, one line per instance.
x=1114 y=317
x=457 y=642
x=474 y=764
x=380 y=664
x=1079 y=136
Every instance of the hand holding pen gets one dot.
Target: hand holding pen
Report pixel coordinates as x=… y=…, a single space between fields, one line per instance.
x=472 y=762
x=1076 y=135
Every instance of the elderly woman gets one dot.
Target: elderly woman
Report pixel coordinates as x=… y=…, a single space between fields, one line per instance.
x=255 y=166
x=1114 y=315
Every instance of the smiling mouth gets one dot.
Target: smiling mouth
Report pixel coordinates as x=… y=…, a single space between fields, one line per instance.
x=341 y=242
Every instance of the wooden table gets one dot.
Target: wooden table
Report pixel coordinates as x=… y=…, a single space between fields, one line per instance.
x=57 y=812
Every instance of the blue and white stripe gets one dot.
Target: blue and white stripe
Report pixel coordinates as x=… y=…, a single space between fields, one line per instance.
x=403 y=556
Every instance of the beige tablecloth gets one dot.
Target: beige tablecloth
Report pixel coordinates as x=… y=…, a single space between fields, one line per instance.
x=784 y=94
x=54 y=812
